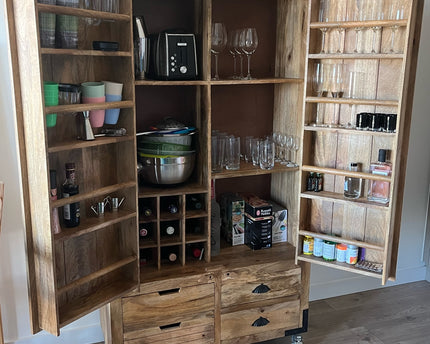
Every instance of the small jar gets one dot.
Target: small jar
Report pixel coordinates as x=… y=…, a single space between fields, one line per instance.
x=352 y=254
x=329 y=250
x=341 y=252
x=318 y=247
x=308 y=245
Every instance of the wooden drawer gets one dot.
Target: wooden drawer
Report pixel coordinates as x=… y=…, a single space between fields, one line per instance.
x=169 y=312
x=258 y=321
x=259 y=283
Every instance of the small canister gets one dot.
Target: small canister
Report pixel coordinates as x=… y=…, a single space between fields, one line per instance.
x=352 y=254
x=329 y=250
x=308 y=245
x=318 y=247
x=341 y=252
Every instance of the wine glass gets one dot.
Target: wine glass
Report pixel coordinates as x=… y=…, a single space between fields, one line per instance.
x=231 y=49
x=248 y=42
x=377 y=14
x=323 y=16
x=318 y=83
x=358 y=8
x=336 y=90
x=397 y=12
x=341 y=16
x=218 y=43
x=239 y=52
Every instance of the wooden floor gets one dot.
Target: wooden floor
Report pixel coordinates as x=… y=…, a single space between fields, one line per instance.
x=393 y=315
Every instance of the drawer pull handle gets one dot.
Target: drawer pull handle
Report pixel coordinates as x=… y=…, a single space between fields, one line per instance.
x=169 y=291
x=260 y=322
x=261 y=289
x=165 y=327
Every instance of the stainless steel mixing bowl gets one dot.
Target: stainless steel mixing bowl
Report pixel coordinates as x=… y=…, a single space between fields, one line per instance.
x=172 y=170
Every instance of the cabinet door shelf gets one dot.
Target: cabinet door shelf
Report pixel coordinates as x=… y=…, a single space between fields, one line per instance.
x=104 y=271
x=84 y=107
x=337 y=172
x=375 y=102
x=338 y=266
x=344 y=130
x=79 y=12
x=247 y=169
x=78 y=52
x=78 y=144
x=357 y=56
x=93 y=224
x=93 y=194
x=363 y=24
x=341 y=240
x=338 y=198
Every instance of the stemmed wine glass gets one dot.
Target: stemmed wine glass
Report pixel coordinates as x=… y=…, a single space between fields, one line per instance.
x=218 y=43
x=341 y=16
x=239 y=52
x=336 y=90
x=397 y=12
x=248 y=42
x=323 y=16
x=318 y=83
x=359 y=14
x=377 y=14
x=231 y=49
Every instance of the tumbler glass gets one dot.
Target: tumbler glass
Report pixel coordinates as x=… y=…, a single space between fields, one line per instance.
x=217 y=152
x=233 y=153
x=267 y=154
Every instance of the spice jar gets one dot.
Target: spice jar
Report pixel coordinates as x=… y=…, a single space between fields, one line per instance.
x=308 y=245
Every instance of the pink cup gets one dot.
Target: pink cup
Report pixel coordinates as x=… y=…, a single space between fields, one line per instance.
x=97 y=117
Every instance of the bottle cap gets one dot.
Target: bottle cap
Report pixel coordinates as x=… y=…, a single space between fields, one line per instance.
x=382 y=155
x=172 y=257
x=53 y=178
x=170 y=230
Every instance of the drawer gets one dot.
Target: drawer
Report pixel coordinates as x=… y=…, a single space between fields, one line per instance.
x=260 y=320
x=259 y=283
x=167 y=309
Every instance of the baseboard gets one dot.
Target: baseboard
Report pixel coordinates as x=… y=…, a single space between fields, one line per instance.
x=348 y=283
x=82 y=335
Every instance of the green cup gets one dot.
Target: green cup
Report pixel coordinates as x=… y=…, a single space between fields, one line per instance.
x=50 y=90
x=93 y=89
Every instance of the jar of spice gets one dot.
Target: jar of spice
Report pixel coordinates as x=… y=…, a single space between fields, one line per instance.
x=308 y=245
x=329 y=250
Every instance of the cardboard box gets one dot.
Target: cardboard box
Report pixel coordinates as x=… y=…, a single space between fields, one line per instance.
x=258 y=232
x=255 y=206
x=280 y=223
x=232 y=217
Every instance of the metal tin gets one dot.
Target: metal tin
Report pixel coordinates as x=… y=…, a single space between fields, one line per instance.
x=308 y=245
x=318 y=247
x=329 y=250
x=341 y=252
x=351 y=254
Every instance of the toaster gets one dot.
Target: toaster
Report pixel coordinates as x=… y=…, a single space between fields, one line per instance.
x=173 y=56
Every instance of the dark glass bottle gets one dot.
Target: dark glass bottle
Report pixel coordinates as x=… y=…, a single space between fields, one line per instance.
x=172 y=208
x=146 y=211
x=194 y=203
x=71 y=212
x=56 y=228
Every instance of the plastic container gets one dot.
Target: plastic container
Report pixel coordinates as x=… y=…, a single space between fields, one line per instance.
x=50 y=91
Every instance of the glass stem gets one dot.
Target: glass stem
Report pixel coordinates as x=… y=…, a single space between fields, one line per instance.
x=393 y=35
x=324 y=32
x=216 y=67
x=234 y=66
x=357 y=39
x=241 y=66
x=249 y=66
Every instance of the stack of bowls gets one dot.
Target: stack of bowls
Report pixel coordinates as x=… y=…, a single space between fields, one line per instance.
x=166 y=156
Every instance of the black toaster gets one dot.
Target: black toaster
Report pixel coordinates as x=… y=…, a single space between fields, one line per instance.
x=173 y=56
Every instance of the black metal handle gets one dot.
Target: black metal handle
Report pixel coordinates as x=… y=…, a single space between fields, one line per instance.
x=261 y=289
x=260 y=322
x=169 y=291
x=165 y=327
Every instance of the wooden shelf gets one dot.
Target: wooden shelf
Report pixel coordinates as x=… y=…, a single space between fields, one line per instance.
x=107 y=293
x=338 y=266
x=375 y=102
x=175 y=241
x=147 y=219
x=195 y=214
x=195 y=238
x=341 y=240
x=247 y=169
x=84 y=107
x=93 y=194
x=78 y=144
x=339 y=198
x=93 y=224
x=356 y=56
x=147 y=191
x=77 y=52
x=166 y=216
x=351 y=131
x=354 y=24
x=79 y=12
x=147 y=243
x=106 y=270
x=217 y=82
x=148 y=82
x=337 y=172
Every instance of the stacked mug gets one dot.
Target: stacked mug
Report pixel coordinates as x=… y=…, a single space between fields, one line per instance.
x=113 y=94
x=94 y=92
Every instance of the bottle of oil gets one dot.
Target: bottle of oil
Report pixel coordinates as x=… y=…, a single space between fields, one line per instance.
x=71 y=212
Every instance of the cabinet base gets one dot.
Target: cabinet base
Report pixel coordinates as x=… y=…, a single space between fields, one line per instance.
x=302 y=329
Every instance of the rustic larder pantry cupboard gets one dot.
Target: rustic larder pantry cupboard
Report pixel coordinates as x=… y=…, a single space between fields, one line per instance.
x=239 y=296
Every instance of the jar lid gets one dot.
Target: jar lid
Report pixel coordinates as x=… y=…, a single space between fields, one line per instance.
x=341 y=247
x=308 y=237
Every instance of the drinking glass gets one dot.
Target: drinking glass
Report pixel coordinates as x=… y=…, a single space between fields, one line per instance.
x=397 y=12
x=354 y=90
x=358 y=10
x=233 y=153
x=255 y=144
x=218 y=43
x=248 y=43
x=95 y=5
x=336 y=90
x=267 y=154
x=231 y=49
x=276 y=139
x=217 y=153
x=248 y=149
x=238 y=51
x=323 y=16
x=341 y=16
x=318 y=84
x=295 y=145
x=377 y=14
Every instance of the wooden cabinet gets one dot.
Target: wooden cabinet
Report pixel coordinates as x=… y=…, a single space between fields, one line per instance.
x=82 y=269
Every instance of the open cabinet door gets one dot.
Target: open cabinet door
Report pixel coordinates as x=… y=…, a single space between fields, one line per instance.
x=369 y=58
x=79 y=269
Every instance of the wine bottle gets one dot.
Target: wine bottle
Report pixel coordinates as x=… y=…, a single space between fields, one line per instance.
x=146 y=211
x=193 y=203
x=56 y=228
x=71 y=212
x=172 y=208
x=169 y=230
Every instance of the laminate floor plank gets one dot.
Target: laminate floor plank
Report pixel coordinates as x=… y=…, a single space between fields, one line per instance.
x=391 y=315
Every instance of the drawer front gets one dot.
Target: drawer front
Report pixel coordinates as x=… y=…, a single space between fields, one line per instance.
x=260 y=320
x=198 y=331
x=259 y=283
x=167 y=307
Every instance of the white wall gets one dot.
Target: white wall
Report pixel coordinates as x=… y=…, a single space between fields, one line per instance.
x=324 y=282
